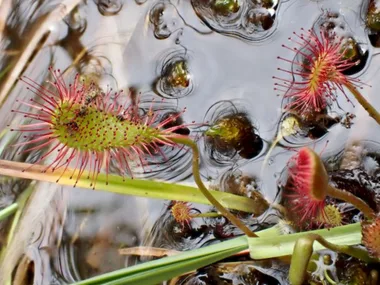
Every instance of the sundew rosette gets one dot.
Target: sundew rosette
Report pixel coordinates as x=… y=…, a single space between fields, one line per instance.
x=83 y=129
x=317 y=71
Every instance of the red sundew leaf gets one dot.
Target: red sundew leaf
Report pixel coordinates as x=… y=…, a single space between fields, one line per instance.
x=309 y=182
x=317 y=72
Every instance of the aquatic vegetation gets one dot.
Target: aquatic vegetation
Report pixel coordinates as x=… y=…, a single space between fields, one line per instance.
x=315 y=125
x=225 y=7
x=259 y=19
x=350 y=51
x=230 y=130
x=234 y=133
x=178 y=75
x=373 y=16
x=371 y=237
x=175 y=76
x=372 y=21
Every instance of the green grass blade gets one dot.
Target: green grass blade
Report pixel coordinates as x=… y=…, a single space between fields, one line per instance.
x=168 y=267
x=192 y=259
x=20 y=202
x=269 y=247
x=127 y=186
x=6 y=212
x=160 y=274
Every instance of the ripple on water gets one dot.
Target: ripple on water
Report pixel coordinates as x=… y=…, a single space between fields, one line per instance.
x=250 y=20
x=204 y=59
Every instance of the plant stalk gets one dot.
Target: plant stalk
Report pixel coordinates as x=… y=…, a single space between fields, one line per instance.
x=20 y=203
x=156 y=271
x=303 y=250
x=198 y=180
x=362 y=101
x=352 y=199
x=6 y=212
x=206 y=215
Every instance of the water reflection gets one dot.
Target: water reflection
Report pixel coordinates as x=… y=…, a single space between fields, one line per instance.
x=109 y=7
x=248 y=20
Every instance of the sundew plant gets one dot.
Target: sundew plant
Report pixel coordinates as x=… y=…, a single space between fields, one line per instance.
x=189 y=142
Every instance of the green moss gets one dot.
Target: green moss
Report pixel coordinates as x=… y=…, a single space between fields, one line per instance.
x=226 y=7
x=228 y=129
x=179 y=75
x=373 y=17
x=350 y=50
x=373 y=21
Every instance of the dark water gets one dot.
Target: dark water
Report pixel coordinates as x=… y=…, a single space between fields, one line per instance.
x=213 y=61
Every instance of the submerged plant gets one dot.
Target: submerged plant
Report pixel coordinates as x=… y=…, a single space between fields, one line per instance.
x=178 y=74
x=225 y=7
x=234 y=133
x=308 y=187
x=373 y=16
x=318 y=74
x=89 y=132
